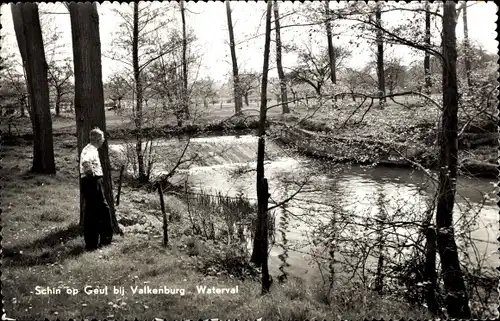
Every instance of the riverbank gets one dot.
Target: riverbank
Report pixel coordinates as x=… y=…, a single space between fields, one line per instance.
x=366 y=150
x=394 y=136
x=42 y=247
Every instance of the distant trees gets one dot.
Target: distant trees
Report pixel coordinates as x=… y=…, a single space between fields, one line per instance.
x=89 y=95
x=60 y=80
x=13 y=88
x=29 y=38
x=60 y=69
x=117 y=88
x=314 y=69
x=204 y=89
x=249 y=81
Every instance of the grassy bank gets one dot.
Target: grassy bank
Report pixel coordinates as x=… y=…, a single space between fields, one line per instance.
x=42 y=246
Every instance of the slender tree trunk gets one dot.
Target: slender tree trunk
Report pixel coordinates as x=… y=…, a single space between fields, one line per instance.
x=260 y=247
x=380 y=57
x=331 y=51
x=457 y=301
x=58 y=103
x=185 y=98
x=467 y=46
x=28 y=30
x=89 y=96
x=23 y=106
x=430 y=271
x=279 y=65
x=139 y=97
x=238 y=101
x=427 y=57
x=382 y=217
x=246 y=99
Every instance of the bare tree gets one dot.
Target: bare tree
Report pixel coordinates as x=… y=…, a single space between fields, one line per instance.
x=279 y=65
x=331 y=51
x=185 y=96
x=457 y=301
x=139 y=95
x=260 y=247
x=60 y=80
x=313 y=69
x=89 y=95
x=249 y=81
x=238 y=101
x=427 y=57
x=29 y=38
x=466 y=45
x=380 y=55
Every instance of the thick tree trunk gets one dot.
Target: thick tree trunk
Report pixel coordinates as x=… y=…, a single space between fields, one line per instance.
x=380 y=57
x=427 y=57
x=331 y=51
x=467 y=46
x=260 y=246
x=457 y=301
x=139 y=97
x=89 y=96
x=279 y=65
x=29 y=36
x=185 y=98
x=238 y=101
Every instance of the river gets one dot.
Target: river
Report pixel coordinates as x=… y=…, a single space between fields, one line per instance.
x=354 y=194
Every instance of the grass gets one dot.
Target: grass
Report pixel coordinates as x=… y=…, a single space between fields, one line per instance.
x=42 y=246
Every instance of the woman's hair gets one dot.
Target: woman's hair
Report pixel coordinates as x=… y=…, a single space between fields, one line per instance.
x=96 y=134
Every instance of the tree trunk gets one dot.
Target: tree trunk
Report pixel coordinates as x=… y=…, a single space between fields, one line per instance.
x=279 y=65
x=29 y=36
x=185 y=98
x=58 y=103
x=331 y=51
x=89 y=96
x=457 y=301
x=246 y=99
x=382 y=217
x=260 y=246
x=139 y=97
x=23 y=106
x=21 y=42
x=427 y=58
x=380 y=57
x=430 y=271
x=467 y=46
x=238 y=101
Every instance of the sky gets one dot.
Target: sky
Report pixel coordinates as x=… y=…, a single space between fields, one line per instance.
x=209 y=22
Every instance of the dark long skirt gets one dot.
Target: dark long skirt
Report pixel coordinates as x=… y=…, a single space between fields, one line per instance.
x=97 y=219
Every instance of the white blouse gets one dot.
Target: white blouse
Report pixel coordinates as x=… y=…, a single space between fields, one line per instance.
x=89 y=161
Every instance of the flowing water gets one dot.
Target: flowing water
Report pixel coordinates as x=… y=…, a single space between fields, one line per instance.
x=225 y=164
